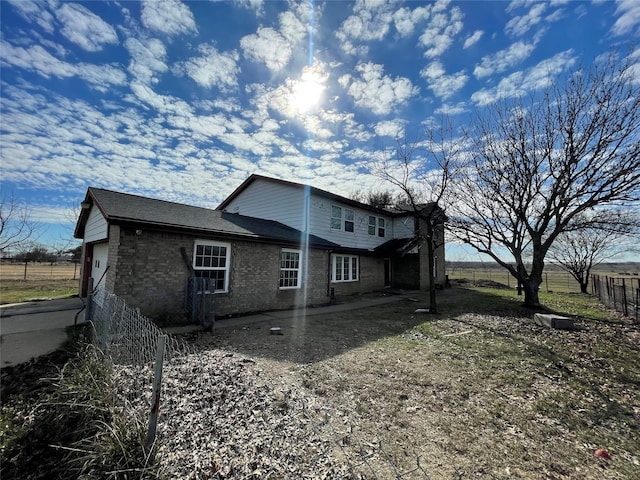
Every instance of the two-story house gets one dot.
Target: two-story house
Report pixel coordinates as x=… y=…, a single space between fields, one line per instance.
x=272 y=244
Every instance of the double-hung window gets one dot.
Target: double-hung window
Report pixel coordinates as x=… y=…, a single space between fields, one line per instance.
x=290 y=268
x=342 y=218
x=344 y=268
x=376 y=222
x=211 y=260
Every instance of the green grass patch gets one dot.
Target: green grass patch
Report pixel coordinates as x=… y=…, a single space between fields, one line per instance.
x=16 y=291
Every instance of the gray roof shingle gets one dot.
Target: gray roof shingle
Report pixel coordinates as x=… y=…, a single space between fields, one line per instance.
x=133 y=209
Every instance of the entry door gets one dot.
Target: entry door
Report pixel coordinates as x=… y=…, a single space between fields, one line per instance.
x=98 y=269
x=387 y=272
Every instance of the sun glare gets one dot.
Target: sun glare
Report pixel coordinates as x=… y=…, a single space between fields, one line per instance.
x=307 y=91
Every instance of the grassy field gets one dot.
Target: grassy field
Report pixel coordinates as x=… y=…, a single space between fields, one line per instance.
x=42 y=281
x=553 y=280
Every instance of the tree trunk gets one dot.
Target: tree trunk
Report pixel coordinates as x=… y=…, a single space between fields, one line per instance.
x=432 y=280
x=531 y=288
x=583 y=286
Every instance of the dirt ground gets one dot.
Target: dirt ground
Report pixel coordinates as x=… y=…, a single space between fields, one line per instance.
x=476 y=391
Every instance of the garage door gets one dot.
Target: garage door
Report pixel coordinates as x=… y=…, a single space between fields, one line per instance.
x=98 y=267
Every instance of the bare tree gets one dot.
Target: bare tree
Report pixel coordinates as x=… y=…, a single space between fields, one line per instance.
x=16 y=226
x=375 y=198
x=537 y=164
x=422 y=171
x=603 y=239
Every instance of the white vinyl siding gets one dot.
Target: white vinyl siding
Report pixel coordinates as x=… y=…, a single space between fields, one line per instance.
x=403 y=227
x=287 y=204
x=290 y=268
x=273 y=201
x=212 y=260
x=344 y=268
x=96 y=227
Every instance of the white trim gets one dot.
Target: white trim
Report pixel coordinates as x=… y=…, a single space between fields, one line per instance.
x=349 y=277
x=298 y=270
x=343 y=219
x=227 y=263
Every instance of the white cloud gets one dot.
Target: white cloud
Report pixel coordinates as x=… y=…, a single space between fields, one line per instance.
x=377 y=92
x=164 y=104
x=473 y=39
x=520 y=83
x=443 y=85
x=522 y=24
x=52 y=143
x=101 y=77
x=147 y=59
x=269 y=47
x=501 y=61
x=441 y=32
x=370 y=21
x=292 y=28
x=446 y=109
x=405 y=20
x=628 y=21
x=390 y=128
x=85 y=28
x=36 y=11
x=213 y=68
x=171 y=17
x=37 y=59
x=255 y=5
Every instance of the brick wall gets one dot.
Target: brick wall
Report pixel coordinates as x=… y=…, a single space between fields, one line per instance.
x=151 y=274
x=371 y=278
x=254 y=281
x=150 y=270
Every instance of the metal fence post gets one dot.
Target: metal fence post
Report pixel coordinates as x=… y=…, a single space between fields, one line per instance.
x=155 y=397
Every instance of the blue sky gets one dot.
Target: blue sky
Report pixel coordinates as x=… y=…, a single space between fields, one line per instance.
x=183 y=100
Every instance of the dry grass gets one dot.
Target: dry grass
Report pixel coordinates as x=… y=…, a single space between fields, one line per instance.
x=476 y=391
x=38 y=271
x=42 y=281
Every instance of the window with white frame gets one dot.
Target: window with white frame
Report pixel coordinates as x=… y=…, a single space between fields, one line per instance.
x=349 y=220
x=342 y=219
x=372 y=224
x=290 y=268
x=212 y=260
x=376 y=226
x=336 y=218
x=344 y=268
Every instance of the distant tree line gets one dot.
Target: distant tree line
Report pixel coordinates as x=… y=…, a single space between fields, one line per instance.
x=40 y=253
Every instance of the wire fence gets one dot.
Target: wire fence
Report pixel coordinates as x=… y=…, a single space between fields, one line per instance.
x=216 y=418
x=39 y=271
x=620 y=293
x=553 y=281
